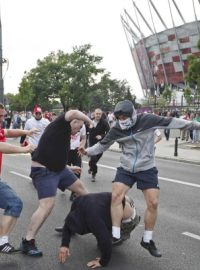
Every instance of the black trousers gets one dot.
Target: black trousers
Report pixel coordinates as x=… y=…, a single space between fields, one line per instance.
x=74 y=159
x=93 y=163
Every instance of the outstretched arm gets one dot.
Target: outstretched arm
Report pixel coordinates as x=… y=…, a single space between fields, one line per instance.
x=7 y=148
x=12 y=133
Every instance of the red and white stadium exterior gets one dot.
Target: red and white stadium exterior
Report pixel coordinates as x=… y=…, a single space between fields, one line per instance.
x=161 y=58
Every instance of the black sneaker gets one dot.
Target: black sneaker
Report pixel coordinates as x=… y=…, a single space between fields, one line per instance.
x=8 y=249
x=93 y=177
x=151 y=247
x=116 y=241
x=29 y=248
x=59 y=229
x=127 y=228
x=72 y=196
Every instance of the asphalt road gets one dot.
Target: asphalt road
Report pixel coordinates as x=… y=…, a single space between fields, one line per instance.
x=177 y=232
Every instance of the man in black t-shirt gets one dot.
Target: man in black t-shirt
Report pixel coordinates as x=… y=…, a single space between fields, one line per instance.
x=49 y=171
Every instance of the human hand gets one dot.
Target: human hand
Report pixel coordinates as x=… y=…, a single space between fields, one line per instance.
x=75 y=169
x=33 y=131
x=63 y=254
x=82 y=151
x=94 y=263
x=98 y=137
x=29 y=148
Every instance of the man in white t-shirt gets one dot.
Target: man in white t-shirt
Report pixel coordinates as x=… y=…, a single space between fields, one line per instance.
x=74 y=159
x=38 y=122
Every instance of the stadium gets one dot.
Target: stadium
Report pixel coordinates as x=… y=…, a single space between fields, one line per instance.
x=161 y=57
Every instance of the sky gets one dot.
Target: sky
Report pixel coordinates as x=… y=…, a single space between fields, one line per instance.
x=31 y=29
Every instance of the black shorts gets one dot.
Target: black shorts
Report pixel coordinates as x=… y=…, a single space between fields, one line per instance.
x=145 y=179
x=46 y=182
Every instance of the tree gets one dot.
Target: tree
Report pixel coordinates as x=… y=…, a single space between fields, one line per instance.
x=188 y=95
x=167 y=94
x=73 y=79
x=193 y=74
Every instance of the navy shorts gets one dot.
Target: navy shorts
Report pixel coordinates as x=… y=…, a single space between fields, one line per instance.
x=46 y=182
x=145 y=179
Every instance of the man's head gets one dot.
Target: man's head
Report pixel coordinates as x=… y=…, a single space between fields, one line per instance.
x=125 y=113
x=38 y=113
x=128 y=207
x=97 y=114
x=2 y=112
x=76 y=125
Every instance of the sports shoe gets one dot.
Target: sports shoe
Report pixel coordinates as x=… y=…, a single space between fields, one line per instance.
x=59 y=229
x=8 y=249
x=127 y=228
x=151 y=247
x=116 y=241
x=72 y=196
x=93 y=177
x=29 y=248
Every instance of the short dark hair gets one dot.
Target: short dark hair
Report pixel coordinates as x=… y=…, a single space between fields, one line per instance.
x=2 y=106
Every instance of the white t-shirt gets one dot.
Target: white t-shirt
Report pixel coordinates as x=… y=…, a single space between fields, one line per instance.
x=40 y=125
x=76 y=138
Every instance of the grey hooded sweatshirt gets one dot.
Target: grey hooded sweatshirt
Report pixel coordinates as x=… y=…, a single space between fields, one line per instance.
x=137 y=142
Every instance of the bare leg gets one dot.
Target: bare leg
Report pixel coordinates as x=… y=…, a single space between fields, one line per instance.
x=39 y=216
x=78 y=188
x=118 y=192
x=151 y=197
x=7 y=224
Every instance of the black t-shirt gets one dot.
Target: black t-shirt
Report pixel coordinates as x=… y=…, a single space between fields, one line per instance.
x=54 y=145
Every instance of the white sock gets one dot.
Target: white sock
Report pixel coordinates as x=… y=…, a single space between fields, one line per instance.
x=129 y=219
x=3 y=240
x=116 y=232
x=147 y=236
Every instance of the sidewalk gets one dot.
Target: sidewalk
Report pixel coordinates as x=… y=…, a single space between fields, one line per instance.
x=187 y=152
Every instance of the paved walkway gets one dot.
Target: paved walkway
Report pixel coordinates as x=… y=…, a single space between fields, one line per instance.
x=187 y=152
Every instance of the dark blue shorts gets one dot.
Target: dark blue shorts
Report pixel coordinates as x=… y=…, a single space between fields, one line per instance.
x=145 y=179
x=46 y=182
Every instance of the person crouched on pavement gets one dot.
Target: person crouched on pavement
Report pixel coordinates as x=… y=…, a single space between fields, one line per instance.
x=90 y=213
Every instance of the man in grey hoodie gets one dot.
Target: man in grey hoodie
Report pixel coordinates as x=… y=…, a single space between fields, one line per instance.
x=135 y=133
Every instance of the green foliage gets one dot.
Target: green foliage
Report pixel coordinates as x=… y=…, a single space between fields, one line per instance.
x=198 y=44
x=188 y=95
x=74 y=80
x=167 y=94
x=193 y=74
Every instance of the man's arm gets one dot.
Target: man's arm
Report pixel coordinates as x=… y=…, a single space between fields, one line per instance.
x=103 y=236
x=75 y=114
x=12 y=133
x=64 y=253
x=7 y=148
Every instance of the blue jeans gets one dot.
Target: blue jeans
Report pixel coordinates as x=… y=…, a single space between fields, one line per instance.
x=9 y=201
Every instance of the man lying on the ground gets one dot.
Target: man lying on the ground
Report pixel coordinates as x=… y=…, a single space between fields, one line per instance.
x=90 y=213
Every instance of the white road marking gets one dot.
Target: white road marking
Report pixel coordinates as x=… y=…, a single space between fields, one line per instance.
x=113 y=168
x=21 y=175
x=179 y=182
x=160 y=178
x=192 y=235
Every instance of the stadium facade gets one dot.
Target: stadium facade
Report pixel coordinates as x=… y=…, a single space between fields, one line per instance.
x=161 y=58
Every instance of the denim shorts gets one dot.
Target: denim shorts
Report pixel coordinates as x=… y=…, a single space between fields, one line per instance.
x=9 y=201
x=144 y=179
x=46 y=182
